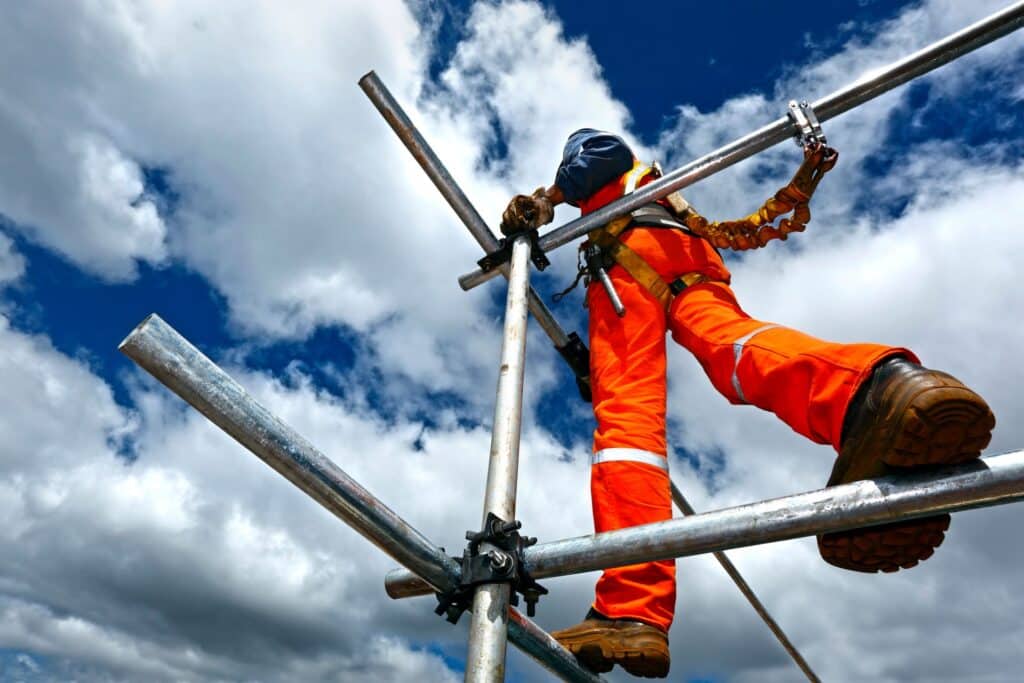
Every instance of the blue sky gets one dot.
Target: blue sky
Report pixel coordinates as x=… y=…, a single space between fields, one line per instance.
x=219 y=166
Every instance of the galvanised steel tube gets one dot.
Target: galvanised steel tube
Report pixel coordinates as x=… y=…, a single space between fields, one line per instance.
x=857 y=93
x=431 y=164
x=684 y=506
x=169 y=357
x=546 y=650
x=992 y=481
x=488 y=628
x=996 y=480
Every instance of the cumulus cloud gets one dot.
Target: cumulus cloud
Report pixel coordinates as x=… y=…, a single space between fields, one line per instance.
x=65 y=181
x=145 y=544
x=194 y=561
x=12 y=264
x=870 y=275
x=291 y=196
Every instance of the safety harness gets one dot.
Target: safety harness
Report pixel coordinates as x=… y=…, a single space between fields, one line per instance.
x=604 y=247
x=648 y=216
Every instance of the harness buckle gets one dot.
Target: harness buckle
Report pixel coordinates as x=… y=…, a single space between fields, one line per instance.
x=595 y=258
x=809 y=129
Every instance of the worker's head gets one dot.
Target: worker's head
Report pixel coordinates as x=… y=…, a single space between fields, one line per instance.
x=577 y=139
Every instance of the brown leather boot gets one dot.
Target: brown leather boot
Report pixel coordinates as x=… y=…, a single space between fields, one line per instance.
x=600 y=643
x=903 y=416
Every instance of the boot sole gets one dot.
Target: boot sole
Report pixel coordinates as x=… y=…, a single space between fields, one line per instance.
x=941 y=425
x=600 y=652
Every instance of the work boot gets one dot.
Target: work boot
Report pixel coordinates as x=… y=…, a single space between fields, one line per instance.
x=600 y=643
x=903 y=416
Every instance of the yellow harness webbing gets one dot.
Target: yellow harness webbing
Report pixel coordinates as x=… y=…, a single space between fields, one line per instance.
x=608 y=239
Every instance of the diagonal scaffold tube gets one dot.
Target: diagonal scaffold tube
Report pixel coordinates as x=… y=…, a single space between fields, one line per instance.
x=423 y=153
x=995 y=480
x=868 y=87
x=158 y=349
x=684 y=506
x=568 y=345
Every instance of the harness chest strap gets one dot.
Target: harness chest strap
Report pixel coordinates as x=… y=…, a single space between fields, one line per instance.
x=608 y=239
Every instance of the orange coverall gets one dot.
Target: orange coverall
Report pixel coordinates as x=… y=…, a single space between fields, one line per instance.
x=805 y=381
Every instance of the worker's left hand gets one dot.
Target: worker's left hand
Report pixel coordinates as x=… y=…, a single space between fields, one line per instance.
x=527 y=212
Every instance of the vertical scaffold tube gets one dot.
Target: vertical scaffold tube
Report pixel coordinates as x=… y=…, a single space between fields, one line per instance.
x=488 y=628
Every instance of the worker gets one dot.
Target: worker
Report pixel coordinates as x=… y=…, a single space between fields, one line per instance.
x=874 y=404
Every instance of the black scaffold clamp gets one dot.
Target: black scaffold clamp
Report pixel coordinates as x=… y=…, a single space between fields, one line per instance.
x=503 y=254
x=809 y=130
x=501 y=562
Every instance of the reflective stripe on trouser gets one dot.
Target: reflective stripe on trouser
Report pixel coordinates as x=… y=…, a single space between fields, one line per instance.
x=807 y=382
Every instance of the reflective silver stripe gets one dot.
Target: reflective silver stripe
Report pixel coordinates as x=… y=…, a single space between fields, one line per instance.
x=634 y=177
x=629 y=455
x=737 y=351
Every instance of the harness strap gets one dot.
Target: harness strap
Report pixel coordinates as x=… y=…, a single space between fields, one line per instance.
x=608 y=239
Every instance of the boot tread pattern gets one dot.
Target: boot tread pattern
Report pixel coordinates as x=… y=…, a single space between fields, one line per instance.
x=943 y=424
x=599 y=650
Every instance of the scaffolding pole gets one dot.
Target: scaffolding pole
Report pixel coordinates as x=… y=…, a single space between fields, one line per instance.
x=431 y=164
x=488 y=628
x=868 y=87
x=162 y=352
x=684 y=506
x=170 y=358
x=996 y=480
x=568 y=345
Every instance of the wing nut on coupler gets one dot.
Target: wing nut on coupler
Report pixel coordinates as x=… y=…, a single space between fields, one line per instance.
x=494 y=555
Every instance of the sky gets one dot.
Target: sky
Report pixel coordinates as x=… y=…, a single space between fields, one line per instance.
x=216 y=163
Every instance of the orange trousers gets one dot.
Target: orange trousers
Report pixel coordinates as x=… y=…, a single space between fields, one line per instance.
x=805 y=381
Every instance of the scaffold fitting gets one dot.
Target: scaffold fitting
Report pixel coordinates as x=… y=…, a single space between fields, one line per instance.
x=808 y=128
x=502 y=563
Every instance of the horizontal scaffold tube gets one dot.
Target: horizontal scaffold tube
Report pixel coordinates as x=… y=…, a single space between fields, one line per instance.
x=183 y=369
x=868 y=87
x=994 y=480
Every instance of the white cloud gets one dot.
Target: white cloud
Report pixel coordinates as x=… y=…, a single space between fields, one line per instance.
x=65 y=180
x=12 y=264
x=196 y=562
x=296 y=201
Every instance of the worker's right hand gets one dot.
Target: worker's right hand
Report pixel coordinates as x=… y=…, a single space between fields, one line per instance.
x=527 y=212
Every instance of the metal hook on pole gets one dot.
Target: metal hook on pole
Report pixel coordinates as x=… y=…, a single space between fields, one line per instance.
x=808 y=128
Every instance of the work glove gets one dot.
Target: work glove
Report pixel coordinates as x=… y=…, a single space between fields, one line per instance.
x=527 y=212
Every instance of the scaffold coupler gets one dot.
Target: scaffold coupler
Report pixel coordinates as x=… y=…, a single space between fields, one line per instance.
x=809 y=130
x=494 y=555
x=503 y=254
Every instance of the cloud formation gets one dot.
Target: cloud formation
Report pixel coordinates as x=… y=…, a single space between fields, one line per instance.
x=142 y=543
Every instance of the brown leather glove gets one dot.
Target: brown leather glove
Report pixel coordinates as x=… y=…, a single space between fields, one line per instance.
x=527 y=212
